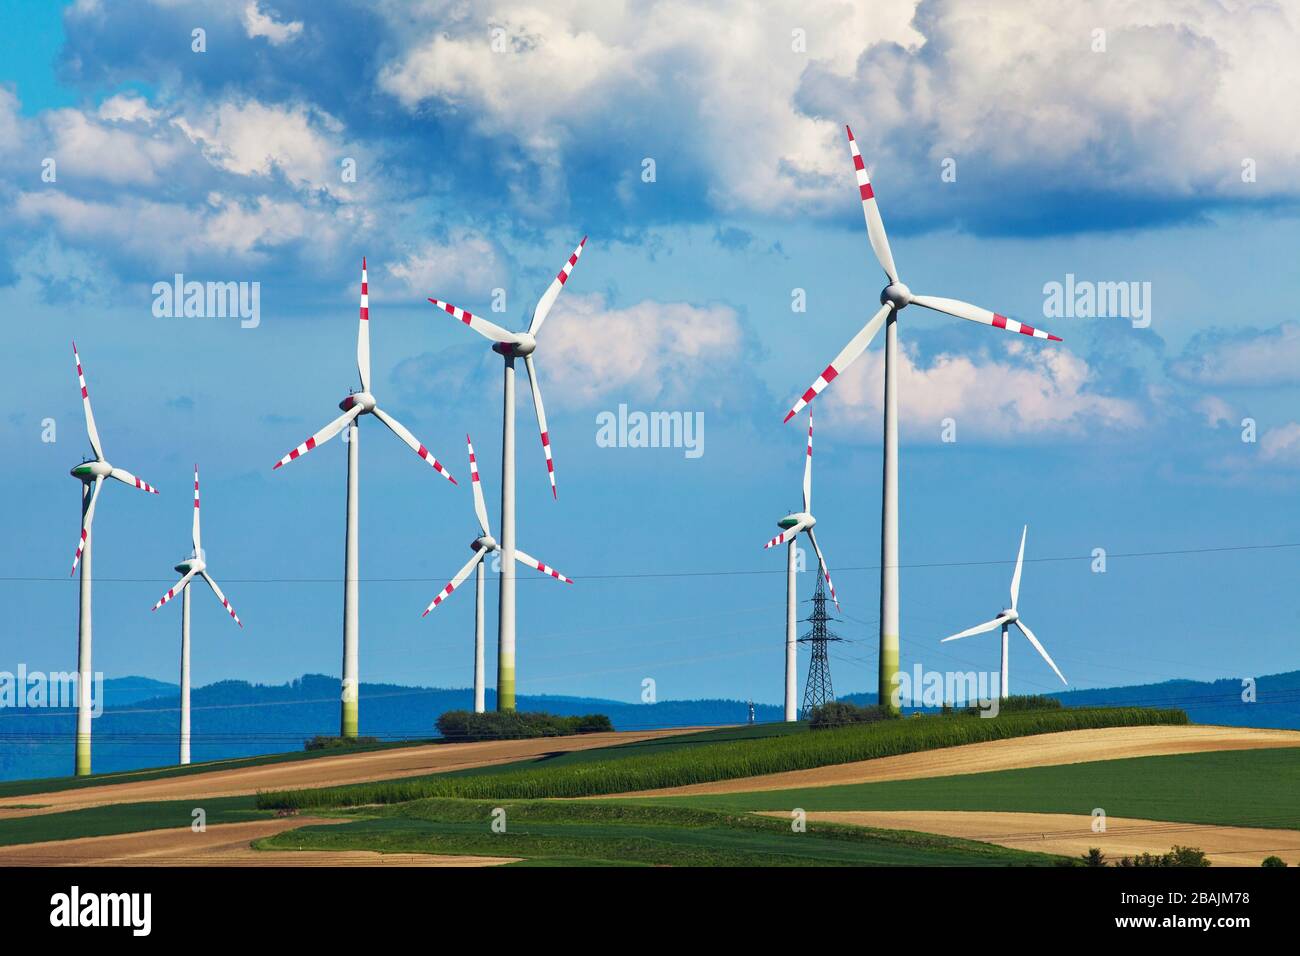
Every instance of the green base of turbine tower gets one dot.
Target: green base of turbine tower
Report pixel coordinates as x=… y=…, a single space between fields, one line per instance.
x=888 y=672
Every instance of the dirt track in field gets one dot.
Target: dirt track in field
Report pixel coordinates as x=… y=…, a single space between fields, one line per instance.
x=227 y=844
x=1071 y=746
x=320 y=772
x=1069 y=834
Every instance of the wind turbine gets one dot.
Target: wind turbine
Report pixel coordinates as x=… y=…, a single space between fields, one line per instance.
x=1008 y=617
x=190 y=566
x=510 y=345
x=792 y=524
x=483 y=545
x=91 y=473
x=893 y=299
x=358 y=403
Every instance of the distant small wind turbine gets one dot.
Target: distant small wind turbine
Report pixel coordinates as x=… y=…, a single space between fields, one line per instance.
x=1008 y=617
x=483 y=545
x=91 y=473
x=190 y=566
x=512 y=345
x=793 y=524
x=356 y=404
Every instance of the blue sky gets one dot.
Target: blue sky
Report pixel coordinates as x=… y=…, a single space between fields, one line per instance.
x=487 y=140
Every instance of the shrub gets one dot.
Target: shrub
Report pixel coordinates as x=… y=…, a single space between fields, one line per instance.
x=516 y=725
x=1094 y=857
x=1273 y=861
x=323 y=742
x=1177 y=856
x=837 y=713
x=1022 y=702
x=725 y=761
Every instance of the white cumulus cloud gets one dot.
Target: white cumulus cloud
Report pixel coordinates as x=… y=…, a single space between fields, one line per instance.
x=650 y=351
x=1028 y=392
x=260 y=24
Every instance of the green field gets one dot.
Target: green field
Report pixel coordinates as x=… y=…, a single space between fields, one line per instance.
x=1256 y=788
x=22 y=788
x=603 y=834
x=125 y=818
x=640 y=767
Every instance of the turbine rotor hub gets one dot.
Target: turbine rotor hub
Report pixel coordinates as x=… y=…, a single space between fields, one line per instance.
x=524 y=344
x=485 y=543
x=364 y=399
x=896 y=294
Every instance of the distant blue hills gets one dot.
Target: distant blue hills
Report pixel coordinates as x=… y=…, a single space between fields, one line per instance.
x=140 y=722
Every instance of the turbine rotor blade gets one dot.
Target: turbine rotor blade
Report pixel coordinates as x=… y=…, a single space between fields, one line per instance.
x=1041 y=650
x=412 y=442
x=552 y=293
x=857 y=345
x=964 y=310
x=175 y=589
x=482 y=326
x=195 y=531
x=124 y=476
x=807 y=468
x=532 y=562
x=322 y=436
x=86 y=519
x=221 y=597
x=979 y=628
x=455 y=582
x=480 y=508
x=871 y=211
x=784 y=536
x=91 y=431
x=363 y=331
x=541 y=421
x=1020 y=561
x=826 y=573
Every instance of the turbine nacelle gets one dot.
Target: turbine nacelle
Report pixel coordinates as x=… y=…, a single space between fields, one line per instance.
x=485 y=543
x=364 y=399
x=90 y=470
x=524 y=344
x=896 y=294
x=192 y=563
x=797 y=519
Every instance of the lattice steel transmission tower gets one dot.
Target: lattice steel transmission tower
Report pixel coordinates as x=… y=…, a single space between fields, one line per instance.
x=818 y=689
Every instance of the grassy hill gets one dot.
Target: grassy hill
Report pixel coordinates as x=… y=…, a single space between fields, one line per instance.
x=1251 y=788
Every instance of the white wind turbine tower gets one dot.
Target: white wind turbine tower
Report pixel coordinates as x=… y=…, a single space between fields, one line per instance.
x=894 y=298
x=357 y=403
x=793 y=524
x=91 y=473
x=1008 y=617
x=483 y=545
x=510 y=345
x=194 y=564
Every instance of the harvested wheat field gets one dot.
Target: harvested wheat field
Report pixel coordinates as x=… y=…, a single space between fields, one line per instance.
x=1071 y=746
x=320 y=771
x=1070 y=834
x=227 y=844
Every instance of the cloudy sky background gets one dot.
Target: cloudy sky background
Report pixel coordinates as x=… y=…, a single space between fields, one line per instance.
x=480 y=168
